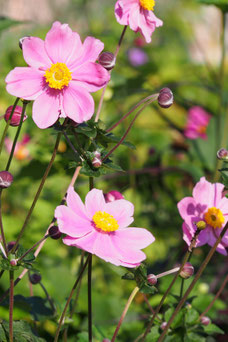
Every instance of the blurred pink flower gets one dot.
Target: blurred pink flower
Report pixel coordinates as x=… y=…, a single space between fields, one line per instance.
x=61 y=74
x=138 y=14
x=100 y=228
x=197 y=122
x=21 y=152
x=210 y=206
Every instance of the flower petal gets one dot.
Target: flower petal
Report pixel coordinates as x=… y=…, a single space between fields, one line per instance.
x=94 y=201
x=85 y=242
x=35 y=54
x=203 y=192
x=122 y=211
x=133 y=238
x=75 y=203
x=45 y=109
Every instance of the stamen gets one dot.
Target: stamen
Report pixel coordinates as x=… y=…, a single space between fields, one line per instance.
x=214 y=217
x=58 y=76
x=105 y=221
x=147 y=4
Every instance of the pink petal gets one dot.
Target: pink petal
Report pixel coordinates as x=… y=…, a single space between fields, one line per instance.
x=132 y=238
x=94 y=201
x=78 y=104
x=212 y=240
x=85 y=242
x=203 y=192
x=71 y=224
x=191 y=211
x=122 y=10
x=91 y=75
x=45 y=109
x=75 y=203
x=35 y=54
x=134 y=17
x=122 y=211
x=61 y=43
x=25 y=82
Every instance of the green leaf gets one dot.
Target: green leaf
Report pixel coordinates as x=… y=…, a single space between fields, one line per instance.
x=193 y=337
x=212 y=329
x=91 y=172
x=147 y=288
x=22 y=332
x=128 y=276
x=5 y=265
x=224 y=174
x=110 y=165
x=153 y=335
x=82 y=337
x=90 y=132
x=178 y=320
x=191 y=316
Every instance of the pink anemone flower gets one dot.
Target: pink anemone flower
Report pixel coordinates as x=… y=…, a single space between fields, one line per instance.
x=209 y=205
x=100 y=228
x=60 y=75
x=138 y=14
x=198 y=120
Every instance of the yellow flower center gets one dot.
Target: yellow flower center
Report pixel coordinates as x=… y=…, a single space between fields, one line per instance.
x=147 y=4
x=201 y=129
x=214 y=217
x=105 y=221
x=58 y=76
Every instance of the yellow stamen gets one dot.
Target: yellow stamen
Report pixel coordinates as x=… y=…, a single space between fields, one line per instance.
x=147 y=4
x=105 y=221
x=58 y=76
x=214 y=217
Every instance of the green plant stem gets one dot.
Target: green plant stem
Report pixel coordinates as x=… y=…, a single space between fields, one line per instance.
x=130 y=299
x=90 y=331
x=69 y=298
x=11 y=302
x=197 y=276
x=1 y=226
x=7 y=124
x=16 y=136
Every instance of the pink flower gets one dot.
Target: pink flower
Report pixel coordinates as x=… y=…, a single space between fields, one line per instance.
x=21 y=151
x=210 y=206
x=138 y=14
x=100 y=228
x=198 y=120
x=61 y=74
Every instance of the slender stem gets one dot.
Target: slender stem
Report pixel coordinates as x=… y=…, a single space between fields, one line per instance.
x=215 y=297
x=30 y=249
x=16 y=136
x=1 y=226
x=130 y=299
x=48 y=298
x=90 y=331
x=182 y=287
x=69 y=298
x=38 y=191
x=173 y=270
x=148 y=303
x=11 y=302
x=197 y=276
x=70 y=144
x=7 y=124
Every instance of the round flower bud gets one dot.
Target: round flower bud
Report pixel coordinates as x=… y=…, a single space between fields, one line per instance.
x=201 y=225
x=10 y=245
x=163 y=325
x=21 y=41
x=222 y=154
x=107 y=60
x=187 y=271
x=35 y=278
x=97 y=162
x=16 y=117
x=13 y=262
x=205 y=320
x=6 y=179
x=54 y=232
x=113 y=196
x=152 y=279
x=165 y=98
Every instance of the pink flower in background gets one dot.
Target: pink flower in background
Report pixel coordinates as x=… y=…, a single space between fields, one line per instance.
x=61 y=74
x=197 y=122
x=210 y=206
x=138 y=14
x=100 y=228
x=21 y=151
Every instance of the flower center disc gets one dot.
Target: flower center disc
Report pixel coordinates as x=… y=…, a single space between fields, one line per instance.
x=58 y=76
x=214 y=217
x=147 y=4
x=105 y=221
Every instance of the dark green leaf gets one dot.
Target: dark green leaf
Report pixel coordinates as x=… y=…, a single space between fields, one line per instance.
x=128 y=276
x=5 y=265
x=191 y=316
x=153 y=335
x=22 y=332
x=213 y=329
x=193 y=337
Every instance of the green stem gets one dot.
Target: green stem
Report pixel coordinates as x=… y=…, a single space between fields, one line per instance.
x=30 y=249
x=1 y=226
x=90 y=331
x=11 y=302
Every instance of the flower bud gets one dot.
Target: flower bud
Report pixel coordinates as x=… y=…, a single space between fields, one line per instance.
x=35 y=278
x=6 y=179
x=10 y=245
x=201 y=225
x=163 y=325
x=187 y=271
x=21 y=41
x=107 y=60
x=205 y=320
x=54 y=232
x=13 y=262
x=97 y=162
x=222 y=154
x=152 y=279
x=165 y=98
x=16 y=117
x=113 y=196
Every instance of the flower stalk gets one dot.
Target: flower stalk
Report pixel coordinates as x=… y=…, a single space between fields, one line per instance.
x=11 y=303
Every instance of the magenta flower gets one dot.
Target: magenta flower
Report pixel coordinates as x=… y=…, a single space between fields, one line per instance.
x=100 y=228
x=60 y=77
x=138 y=14
x=209 y=206
x=198 y=120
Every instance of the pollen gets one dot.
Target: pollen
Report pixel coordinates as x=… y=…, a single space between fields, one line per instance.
x=147 y=4
x=214 y=217
x=58 y=76
x=105 y=221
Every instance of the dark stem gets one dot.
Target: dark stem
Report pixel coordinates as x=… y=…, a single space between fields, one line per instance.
x=11 y=302
x=1 y=226
x=48 y=298
x=70 y=144
x=90 y=332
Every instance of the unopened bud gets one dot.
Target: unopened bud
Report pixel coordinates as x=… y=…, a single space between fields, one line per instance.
x=222 y=154
x=21 y=40
x=113 y=196
x=205 y=320
x=10 y=245
x=165 y=98
x=54 y=233
x=107 y=60
x=187 y=271
x=13 y=262
x=6 y=179
x=35 y=278
x=163 y=325
x=16 y=117
x=201 y=225
x=152 y=279
x=97 y=162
